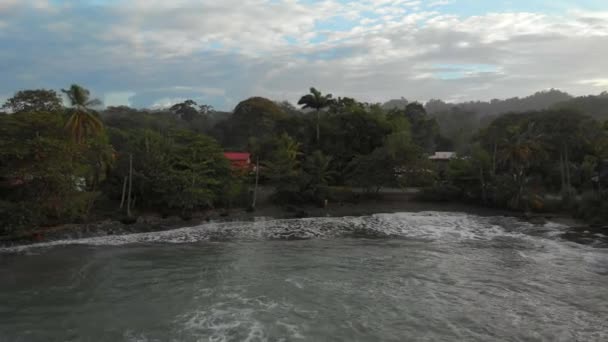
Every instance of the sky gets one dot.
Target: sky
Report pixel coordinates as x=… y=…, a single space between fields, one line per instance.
x=153 y=53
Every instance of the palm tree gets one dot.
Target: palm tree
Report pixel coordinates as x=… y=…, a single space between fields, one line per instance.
x=315 y=100
x=290 y=145
x=82 y=122
x=318 y=166
x=283 y=167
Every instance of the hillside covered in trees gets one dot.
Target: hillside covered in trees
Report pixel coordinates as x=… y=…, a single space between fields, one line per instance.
x=460 y=121
x=82 y=162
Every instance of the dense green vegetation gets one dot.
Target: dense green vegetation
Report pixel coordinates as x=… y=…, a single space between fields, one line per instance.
x=73 y=164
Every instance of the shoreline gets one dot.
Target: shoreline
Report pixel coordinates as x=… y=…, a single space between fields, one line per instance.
x=385 y=205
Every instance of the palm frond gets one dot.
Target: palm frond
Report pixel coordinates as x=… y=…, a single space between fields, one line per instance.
x=94 y=102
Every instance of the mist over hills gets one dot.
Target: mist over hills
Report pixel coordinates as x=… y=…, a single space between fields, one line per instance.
x=459 y=121
x=592 y=105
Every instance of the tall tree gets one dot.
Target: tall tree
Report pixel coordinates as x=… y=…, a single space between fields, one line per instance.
x=317 y=101
x=256 y=117
x=519 y=152
x=37 y=100
x=566 y=131
x=83 y=122
x=283 y=168
x=187 y=110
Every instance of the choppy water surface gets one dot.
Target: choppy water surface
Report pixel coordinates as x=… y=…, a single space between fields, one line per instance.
x=394 y=277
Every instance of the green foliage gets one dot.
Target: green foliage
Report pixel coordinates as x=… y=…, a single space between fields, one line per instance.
x=15 y=216
x=42 y=167
x=459 y=127
x=182 y=171
x=593 y=208
x=192 y=113
x=83 y=123
x=318 y=167
x=425 y=130
x=318 y=175
x=255 y=117
x=440 y=193
x=353 y=133
x=592 y=106
x=317 y=101
x=373 y=171
x=509 y=161
x=235 y=192
x=38 y=100
x=283 y=168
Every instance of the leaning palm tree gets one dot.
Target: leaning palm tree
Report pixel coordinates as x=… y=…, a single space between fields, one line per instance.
x=315 y=100
x=82 y=122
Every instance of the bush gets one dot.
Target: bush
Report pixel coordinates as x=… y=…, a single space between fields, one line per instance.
x=342 y=194
x=592 y=209
x=235 y=193
x=18 y=216
x=439 y=193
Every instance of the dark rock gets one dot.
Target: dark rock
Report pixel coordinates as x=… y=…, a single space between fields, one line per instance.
x=301 y=214
x=128 y=220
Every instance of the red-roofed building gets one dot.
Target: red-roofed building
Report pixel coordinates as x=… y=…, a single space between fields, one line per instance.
x=239 y=160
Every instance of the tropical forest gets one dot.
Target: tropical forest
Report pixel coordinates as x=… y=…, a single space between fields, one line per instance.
x=65 y=158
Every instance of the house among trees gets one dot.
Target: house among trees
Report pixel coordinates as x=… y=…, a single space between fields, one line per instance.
x=441 y=160
x=443 y=156
x=239 y=160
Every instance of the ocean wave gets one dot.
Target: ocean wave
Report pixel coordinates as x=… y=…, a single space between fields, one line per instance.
x=444 y=226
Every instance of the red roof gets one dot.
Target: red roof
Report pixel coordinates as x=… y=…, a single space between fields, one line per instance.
x=237 y=156
x=239 y=160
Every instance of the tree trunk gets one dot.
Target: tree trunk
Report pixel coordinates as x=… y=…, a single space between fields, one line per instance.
x=520 y=180
x=124 y=192
x=130 y=185
x=568 y=181
x=483 y=186
x=599 y=184
x=562 y=171
x=494 y=159
x=318 y=128
x=257 y=177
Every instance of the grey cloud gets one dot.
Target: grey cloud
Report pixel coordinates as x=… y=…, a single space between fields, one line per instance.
x=164 y=52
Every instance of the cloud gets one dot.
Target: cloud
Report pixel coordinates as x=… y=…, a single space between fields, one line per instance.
x=156 y=52
x=596 y=82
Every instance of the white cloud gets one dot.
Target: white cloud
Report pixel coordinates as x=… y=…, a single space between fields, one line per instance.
x=373 y=49
x=597 y=82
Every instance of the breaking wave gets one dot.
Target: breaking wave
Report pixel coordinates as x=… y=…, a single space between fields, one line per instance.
x=422 y=226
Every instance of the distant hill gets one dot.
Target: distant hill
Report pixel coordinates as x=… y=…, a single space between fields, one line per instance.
x=539 y=101
x=459 y=121
x=594 y=106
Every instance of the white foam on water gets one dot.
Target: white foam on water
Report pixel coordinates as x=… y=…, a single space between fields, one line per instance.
x=294 y=283
x=131 y=336
x=234 y=316
x=443 y=226
x=292 y=329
